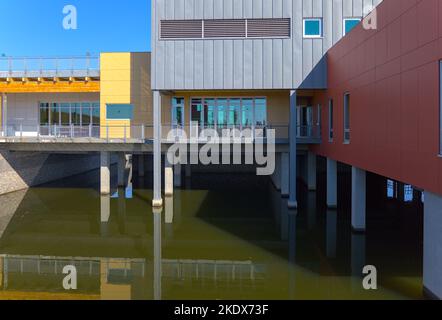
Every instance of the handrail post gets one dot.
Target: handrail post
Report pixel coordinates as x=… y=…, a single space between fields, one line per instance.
x=142 y=132
x=125 y=138
x=107 y=133
x=72 y=131
x=90 y=130
x=21 y=131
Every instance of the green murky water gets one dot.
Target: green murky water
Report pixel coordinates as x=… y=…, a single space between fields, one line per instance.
x=234 y=240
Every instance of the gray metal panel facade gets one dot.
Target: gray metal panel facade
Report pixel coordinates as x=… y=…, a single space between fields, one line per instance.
x=279 y=63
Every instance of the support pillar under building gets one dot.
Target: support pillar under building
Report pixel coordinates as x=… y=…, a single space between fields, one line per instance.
x=105 y=173
x=433 y=245
x=332 y=184
x=157 y=198
x=4 y=114
x=311 y=171
x=284 y=174
x=358 y=199
x=293 y=202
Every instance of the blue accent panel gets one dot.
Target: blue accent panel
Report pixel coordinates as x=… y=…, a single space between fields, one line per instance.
x=312 y=27
x=119 y=111
x=350 y=24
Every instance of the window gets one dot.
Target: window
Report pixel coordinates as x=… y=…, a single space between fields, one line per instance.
x=408 y=193
x=178 y=111
x=347 y=118
x=67 y=114
x=440 y=107
x=229 y=112
x=350 y=23
x=312 y=28
x=330 y=120
x=225 y=28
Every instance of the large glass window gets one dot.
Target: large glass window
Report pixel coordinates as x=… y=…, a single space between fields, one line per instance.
x=229 y=112
x=222 y=113
x=210 y=113
x=96 y=113
x=330 y=121
x=178 y=111
x=44 y=114
x=86 y=114
x=196 y=112
x=65 y=109
x=67 y=114
x=247 y=112
x=260 y=112
x=347 y=118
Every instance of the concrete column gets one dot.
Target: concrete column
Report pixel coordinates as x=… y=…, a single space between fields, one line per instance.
x=157 y=198
x=177 y=175
x=141 y=171
x=357 y=257
x=293 y=202
x=168 y=179
x=311 y=171
x=358 y=199
x=4 y=114
x=285 y=179
x=433 y=245
x=121 y=169
x=332 y=184
x=105 y=173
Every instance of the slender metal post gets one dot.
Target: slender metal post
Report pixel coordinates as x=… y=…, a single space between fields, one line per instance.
x=142 y=133
x=21 y=131
x=107 y=133
x=157 y=200
x=125 y=138
x=293 y=203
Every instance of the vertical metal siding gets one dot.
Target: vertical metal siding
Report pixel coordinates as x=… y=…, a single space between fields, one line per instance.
x=246 y=63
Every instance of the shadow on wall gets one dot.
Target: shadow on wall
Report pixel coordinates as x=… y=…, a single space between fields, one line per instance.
x=21 y=170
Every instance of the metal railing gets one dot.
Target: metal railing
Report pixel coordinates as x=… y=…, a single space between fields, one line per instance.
x=12 y=67
x=170 y=133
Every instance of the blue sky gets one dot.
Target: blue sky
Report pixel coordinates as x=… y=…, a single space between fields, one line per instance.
x=35 y=27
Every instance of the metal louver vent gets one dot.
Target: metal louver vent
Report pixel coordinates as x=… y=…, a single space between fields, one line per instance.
x=227 y=28
x=181 y=29
x=262 y=28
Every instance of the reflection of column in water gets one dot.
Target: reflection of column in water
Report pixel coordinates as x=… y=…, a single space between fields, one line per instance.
x=5 y=271
x=122 y=210
x=104 y=214
x=292 y=252
x=311 y=209
x=357 y=258
x=157 y=254
x=331 y=233
x=284 y=219
x=177 y=210
x=169 y=219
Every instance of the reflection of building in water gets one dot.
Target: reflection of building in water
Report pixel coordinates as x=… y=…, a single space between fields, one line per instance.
x=115 y=278
x=97 y=277
x=236 y=273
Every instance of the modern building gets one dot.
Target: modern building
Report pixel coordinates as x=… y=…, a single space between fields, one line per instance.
x=370 y=100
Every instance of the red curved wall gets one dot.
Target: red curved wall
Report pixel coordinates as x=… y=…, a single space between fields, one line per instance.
x=392 y=74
